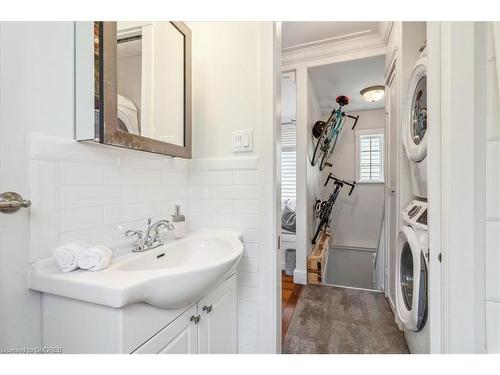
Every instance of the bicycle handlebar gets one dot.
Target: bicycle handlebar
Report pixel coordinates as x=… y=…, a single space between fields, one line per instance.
x=340 y=182
x=355 y=118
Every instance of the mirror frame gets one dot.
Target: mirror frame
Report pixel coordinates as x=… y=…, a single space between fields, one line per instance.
x=109 y=132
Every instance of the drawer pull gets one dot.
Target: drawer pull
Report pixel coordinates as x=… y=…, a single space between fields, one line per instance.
x=196 y=319
x=208 y=309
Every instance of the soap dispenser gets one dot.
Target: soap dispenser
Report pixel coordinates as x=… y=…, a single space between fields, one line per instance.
x=179 y=222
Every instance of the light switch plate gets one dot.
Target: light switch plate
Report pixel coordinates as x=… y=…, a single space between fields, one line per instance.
x=243 y=140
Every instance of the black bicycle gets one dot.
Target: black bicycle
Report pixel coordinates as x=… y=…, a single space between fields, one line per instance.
x=324 y=209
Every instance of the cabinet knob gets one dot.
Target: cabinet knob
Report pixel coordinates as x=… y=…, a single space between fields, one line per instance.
x=208 y=309
x=196 y=319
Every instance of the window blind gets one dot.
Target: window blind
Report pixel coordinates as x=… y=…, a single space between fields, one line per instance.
x=371 y=158
x=288 y=161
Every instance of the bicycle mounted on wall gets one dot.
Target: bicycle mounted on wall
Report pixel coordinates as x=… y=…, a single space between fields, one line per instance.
x=325 y=208
x=327 y=133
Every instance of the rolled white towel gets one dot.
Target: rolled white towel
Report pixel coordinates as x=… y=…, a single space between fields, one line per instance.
x=95 y=258
x=66 y=255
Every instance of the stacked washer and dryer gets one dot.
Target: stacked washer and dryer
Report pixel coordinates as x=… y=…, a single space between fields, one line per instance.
x=413 y=244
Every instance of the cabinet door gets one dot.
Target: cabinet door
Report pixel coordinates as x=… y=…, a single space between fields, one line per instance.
x=218 y=328
x=179 y=337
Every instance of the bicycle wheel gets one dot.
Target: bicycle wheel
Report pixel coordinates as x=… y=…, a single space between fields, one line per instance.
x=318 y=231
x=318 y=151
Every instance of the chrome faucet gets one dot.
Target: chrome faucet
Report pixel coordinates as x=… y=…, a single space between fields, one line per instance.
x=151 y=238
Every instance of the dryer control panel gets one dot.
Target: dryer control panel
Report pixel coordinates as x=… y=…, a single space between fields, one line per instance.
x=415 y=214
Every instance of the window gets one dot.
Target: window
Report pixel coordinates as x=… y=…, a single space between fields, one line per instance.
x=288 y=136
x=288 y=161
x=370 y=156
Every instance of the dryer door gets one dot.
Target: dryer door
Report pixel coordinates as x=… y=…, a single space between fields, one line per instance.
x=411 y=281
x=414 y=132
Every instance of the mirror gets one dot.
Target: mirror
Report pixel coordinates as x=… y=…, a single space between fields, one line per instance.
x=142 y=85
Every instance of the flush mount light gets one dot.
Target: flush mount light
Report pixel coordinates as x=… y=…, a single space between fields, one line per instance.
x=373 y=93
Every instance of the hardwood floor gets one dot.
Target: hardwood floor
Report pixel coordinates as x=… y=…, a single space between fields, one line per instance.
x=289 y=297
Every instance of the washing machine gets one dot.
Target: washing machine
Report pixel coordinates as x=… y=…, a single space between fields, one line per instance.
x=412 y=277
x=414 y=129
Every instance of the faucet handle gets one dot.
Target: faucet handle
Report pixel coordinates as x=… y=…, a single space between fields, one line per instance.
x=132 y=232
x=139 y=244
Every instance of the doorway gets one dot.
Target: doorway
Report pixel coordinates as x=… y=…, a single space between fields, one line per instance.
x=347 y=311
x=290 y=291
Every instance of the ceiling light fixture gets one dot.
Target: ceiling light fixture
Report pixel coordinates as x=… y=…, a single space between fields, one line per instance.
x=373 y=93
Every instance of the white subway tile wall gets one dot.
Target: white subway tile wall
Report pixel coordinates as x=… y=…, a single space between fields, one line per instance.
x=492 y=214
x=225 y=194
x=92 y=192
x=96 y=193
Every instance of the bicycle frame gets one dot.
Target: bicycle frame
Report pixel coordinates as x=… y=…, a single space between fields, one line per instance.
x=337 y=125
x=326 y=207
x=330 y=133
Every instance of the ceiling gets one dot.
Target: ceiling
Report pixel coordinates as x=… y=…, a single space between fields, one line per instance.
x=348 y=78
x=296 y=35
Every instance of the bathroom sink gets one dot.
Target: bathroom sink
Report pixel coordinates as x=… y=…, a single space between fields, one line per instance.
x=181 y=255
x=171 y=276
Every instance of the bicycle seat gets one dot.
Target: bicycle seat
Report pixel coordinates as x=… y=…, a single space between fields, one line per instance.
x=342 y=100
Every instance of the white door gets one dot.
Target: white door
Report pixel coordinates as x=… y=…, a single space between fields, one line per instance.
x=19 y=307
x=179 y=337
x=218 y=327
x=392 y=214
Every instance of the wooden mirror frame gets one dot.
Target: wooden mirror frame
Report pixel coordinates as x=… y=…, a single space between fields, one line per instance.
x=109 y=132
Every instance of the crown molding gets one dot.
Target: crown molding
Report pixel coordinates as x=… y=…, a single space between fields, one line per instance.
x=345 y=44
x=332 y=49
x=321 y=42
x=384 y=30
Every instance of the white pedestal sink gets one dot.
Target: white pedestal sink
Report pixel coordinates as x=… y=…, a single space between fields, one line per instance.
x=171 y=276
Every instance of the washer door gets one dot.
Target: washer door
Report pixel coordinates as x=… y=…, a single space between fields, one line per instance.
x=415 y=130
x=411 y=280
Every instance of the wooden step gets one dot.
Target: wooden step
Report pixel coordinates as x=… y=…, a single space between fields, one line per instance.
x=317 y=260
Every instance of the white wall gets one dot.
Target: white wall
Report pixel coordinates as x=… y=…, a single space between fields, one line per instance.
x=233 y=89
x=492 y=214
x=357 y=219
x=288 y=97
x=225 y=88
x=308 y=112
x=95 y=192
x=313 y=173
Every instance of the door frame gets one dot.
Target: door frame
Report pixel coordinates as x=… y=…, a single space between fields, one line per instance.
x=456 y=173
x=392 y=73
x=434 y=188
x=269 y=330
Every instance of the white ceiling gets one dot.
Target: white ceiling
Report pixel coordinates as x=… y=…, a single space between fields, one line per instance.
x=348 y=78
x=297 y=35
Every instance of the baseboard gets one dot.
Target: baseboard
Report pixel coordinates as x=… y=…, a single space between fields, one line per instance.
x=354 y=287
x=299 y=277
x=354 y=248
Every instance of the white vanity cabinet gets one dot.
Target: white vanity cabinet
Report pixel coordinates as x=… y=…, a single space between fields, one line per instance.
x=218 y=326
x=179 y=337
x=208 y=326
